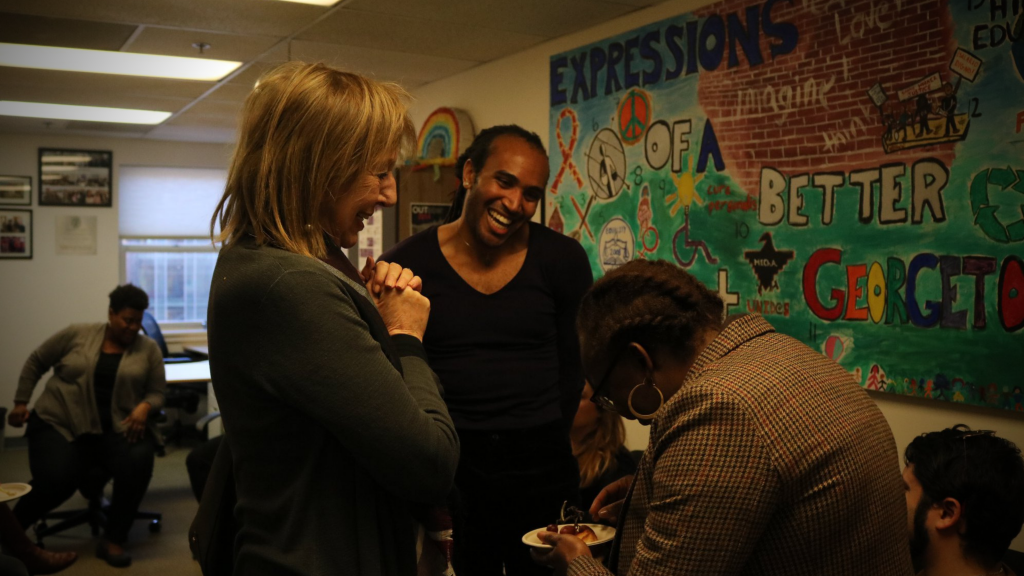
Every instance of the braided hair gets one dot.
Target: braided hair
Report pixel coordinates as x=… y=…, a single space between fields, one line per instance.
x=478 y=152
x=651 y=302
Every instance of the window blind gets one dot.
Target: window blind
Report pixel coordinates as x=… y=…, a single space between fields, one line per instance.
x=160 y=202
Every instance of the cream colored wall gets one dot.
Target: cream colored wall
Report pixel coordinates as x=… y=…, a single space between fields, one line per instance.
x=515 y=90
x=40 y=296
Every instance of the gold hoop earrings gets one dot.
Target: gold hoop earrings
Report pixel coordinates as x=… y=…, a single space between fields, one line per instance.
x=629 y=400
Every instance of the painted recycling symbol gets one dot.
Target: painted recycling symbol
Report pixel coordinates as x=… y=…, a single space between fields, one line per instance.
x=985 y=212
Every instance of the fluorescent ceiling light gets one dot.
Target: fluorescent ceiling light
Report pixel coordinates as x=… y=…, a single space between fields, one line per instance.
x=105 y=62
x=87 y=113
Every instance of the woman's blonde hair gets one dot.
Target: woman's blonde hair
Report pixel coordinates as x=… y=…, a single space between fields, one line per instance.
x=595 y=453
x=307 y=133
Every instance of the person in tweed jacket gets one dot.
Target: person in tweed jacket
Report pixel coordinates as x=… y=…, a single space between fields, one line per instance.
x=765 y=458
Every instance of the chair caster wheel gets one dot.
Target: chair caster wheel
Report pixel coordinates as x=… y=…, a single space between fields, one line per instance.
x=155 y=526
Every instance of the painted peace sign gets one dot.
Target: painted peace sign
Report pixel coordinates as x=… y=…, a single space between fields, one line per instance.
x=634 y=116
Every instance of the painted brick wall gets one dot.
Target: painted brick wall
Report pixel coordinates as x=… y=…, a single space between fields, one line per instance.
x=813 y=112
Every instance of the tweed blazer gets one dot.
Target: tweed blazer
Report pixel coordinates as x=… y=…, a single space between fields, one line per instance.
x=769 y=460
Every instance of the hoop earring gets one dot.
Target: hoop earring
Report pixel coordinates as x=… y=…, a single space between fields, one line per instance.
x=629 y=400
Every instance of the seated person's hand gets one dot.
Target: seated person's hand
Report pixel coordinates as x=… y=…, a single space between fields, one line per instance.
x=135 y=423
x=18 y=415
x=380 y=275
x=564 y=549
x=608 y=503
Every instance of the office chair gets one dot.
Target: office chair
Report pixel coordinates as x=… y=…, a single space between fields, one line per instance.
x=184 y=397
x=95 y=514
x=151 y=328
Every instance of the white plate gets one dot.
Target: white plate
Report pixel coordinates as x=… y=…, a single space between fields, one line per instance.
x=13 y=490
x=604 y=534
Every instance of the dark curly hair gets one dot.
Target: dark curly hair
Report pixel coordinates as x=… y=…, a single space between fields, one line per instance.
x=479 y=151
x=128 y=296
x=982 y=471
x=651 y=302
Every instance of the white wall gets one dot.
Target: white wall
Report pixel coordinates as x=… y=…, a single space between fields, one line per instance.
x=48 y=292
x=515 y=90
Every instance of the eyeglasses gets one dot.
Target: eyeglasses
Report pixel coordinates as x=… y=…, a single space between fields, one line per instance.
x=600 y=396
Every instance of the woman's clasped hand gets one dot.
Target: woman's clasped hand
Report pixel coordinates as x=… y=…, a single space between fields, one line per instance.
x=395 y=290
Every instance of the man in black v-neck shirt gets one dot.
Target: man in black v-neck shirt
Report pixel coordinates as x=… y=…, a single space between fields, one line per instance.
x=504 y=294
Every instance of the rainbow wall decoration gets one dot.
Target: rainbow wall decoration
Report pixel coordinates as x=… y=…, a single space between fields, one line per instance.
x=446 y=134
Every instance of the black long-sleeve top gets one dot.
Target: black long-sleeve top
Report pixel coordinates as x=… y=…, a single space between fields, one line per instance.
x=508 y=360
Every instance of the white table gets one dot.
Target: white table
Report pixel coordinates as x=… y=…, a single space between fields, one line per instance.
x=194 y=373
x=187 y=372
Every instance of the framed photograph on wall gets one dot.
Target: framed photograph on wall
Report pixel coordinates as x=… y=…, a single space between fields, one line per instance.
x=75 y=177
x=15 y=233
x=16 y=190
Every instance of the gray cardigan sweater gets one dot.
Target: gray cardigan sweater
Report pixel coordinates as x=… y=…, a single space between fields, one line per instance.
x=69 y=402
x=331 y=443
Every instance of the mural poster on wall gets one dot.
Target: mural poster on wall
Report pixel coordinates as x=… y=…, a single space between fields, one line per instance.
x=853 y=171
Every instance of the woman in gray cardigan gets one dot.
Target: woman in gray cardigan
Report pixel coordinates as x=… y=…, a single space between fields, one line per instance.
x=93 y=412
x=335 y=423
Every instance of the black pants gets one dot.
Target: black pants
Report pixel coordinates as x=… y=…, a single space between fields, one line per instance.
x=199 y=462
x=60 y=467
x=509 y=483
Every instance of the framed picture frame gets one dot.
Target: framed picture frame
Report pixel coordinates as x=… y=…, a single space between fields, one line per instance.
x=15 y=233
x=15 y=190
x=75 y=177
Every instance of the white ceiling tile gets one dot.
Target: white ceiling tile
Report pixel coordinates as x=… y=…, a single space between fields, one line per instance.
x=636 y=3
x=174 y=42
x=411 y=35
x=109 y=128
x=63 y=32
x=212 y=113
x=193 y=133
x=18 y=124
x=252 y=73
x=237 y=16
x=546 y=18
x=231 y=93
x=112 y=84
x=91 y=96
x=380 y=64
x=10 y=124
x=412 y=42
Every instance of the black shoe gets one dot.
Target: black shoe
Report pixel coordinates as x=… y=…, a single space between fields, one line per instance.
x=122 y=560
